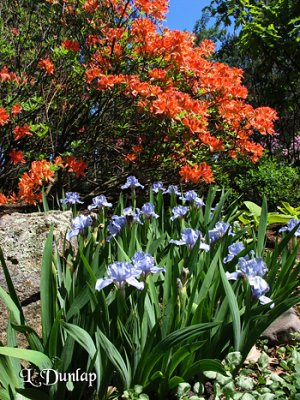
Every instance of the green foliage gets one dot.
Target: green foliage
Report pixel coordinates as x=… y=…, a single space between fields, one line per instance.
x=259 y=380
x=265 y=178
x=253 y=215
x=183 y=324
x=287 y=209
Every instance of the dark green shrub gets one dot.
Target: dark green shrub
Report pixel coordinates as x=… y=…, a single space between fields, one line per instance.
x=267 y=177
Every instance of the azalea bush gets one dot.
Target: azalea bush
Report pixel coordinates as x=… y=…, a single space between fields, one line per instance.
x=98 y=87
x=150 y=295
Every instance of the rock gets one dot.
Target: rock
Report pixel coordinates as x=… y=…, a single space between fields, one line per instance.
x=22 y=240
x=282 y=329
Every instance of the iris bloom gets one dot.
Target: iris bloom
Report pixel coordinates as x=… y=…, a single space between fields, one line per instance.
x=71 y=198
x=157 y=186
x=132 y=183
x=149 y=211
x=233 y=250
x=133 y=215
x=115 y=225
x=179 y=212
x=219 y=231
x=290 y=226
x=199 y=202
x=192 y=197
x=79 y=224
x=189 y=237
x=144 y=263
x=253 y=269
x=99 y=202
x=120 y=273
x=172 y=189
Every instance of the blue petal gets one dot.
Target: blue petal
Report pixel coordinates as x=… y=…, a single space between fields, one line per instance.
x=132 y=281
x=102 y=283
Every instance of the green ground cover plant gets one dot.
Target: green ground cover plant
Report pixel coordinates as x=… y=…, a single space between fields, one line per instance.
x=154 y=295
x=256 y=381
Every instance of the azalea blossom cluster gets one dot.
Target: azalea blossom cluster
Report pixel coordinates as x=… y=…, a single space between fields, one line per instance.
x=157 y=91
x=41 y=172
x=188 y=107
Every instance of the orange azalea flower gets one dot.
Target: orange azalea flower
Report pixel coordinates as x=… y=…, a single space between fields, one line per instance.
x=12 y=198
x=137 y=148
x=15 y=31
x=206 y=172
x=21 y=131
x=263 y=120
x=16 y=109
x=29 y=184
x=71 y=45
x=92 y=74
x=195 y=173
x=4 y=117
x=3 y=199
x=158 y=73
x=17 y=157
x=92 y=40
x=58 y=161
x=90 y=6
x=154 y=8
x=5 y=75
x=47 y=65
x=130 y=157
x=42 y=170
x=207 y=47
x=250 y=147
x=76 y=166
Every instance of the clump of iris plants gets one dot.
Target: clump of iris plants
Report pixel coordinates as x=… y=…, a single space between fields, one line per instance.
x=154 y=293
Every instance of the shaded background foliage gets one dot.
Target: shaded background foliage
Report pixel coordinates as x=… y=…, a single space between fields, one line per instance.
x=264 y=42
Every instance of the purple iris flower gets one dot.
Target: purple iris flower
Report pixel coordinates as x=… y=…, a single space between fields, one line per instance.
x=157 y=186
x=144 y=263
x=149 y=211
x=199 y=202
x=192 y=197
x=71 y=198
x=132 y=183
x=99 y=202
x=79 y=224
x=259 y=286
x=219 y=231
x=290 y=226
x=120 y=273
x=133 y=215
x=252 y=267
x=189 y=237
x=115 y=226
x=171 y=189
x=233 y=250
x=179 y=212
